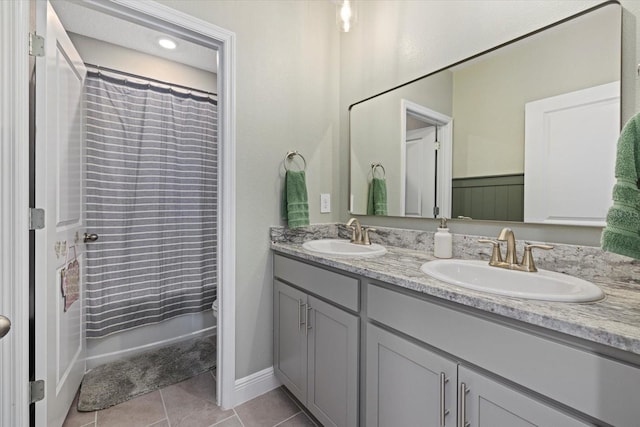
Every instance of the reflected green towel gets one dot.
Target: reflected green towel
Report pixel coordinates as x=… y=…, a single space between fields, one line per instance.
x=377 y=198
x=622 y=233
x=295 y=201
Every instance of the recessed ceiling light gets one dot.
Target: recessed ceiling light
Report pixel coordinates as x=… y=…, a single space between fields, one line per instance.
x=167 y=43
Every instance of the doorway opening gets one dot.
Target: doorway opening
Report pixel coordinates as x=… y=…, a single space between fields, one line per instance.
x=185 y=30
x=425 y=169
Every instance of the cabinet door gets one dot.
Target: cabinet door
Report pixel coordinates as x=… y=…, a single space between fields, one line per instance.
x=290 y=338
x=333 y=365
x=407 y=385
x=487 y=403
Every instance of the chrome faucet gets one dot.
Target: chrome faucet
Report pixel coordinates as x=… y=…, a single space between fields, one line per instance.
x=511 y=260
x=359 y=234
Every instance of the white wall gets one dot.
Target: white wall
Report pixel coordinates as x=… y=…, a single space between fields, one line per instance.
x=108 y=55
x=396 y=41
x=287 y=96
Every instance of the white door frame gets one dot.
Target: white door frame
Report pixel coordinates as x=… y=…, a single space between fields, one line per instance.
x=14 y=204
x=173 y=21
x=14 y=193
x=444 y=160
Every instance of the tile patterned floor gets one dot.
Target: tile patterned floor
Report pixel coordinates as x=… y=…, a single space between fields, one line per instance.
x=191 y=403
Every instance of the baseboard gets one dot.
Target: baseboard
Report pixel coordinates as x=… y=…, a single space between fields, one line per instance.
x=254 y=385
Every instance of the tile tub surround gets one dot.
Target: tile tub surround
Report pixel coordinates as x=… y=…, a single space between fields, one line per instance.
x=614 y=322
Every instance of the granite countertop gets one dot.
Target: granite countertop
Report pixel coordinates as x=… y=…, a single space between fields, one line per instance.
x=614 y=321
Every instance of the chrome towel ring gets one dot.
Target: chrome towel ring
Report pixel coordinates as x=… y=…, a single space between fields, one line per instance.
x=375 y=166
x=290 y=155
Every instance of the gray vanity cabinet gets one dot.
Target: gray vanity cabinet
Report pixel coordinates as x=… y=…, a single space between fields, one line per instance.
x=315 y=342
x=290 y=339
x=332 y=365
x=413 y=345
x=407 y=385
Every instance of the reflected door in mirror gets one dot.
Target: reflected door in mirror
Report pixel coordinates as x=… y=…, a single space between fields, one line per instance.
x=420 y=173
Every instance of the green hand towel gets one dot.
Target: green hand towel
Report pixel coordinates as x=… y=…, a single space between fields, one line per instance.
x=377 y=198
x=295 y=201
x=622 y=233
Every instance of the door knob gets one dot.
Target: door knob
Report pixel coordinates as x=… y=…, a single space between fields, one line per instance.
x=5 y=325
x=90 y=237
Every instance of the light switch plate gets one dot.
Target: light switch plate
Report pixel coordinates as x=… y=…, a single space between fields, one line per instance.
x=325 y=203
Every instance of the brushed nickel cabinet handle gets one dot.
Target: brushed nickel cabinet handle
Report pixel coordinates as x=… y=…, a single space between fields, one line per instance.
x=443 y=411
x=306 y=330
x=300 y=322
x=462 y=403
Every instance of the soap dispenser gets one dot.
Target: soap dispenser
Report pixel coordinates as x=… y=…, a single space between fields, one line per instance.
x=442 y=241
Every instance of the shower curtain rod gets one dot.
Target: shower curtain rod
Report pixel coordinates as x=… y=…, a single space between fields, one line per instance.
x=150 y=80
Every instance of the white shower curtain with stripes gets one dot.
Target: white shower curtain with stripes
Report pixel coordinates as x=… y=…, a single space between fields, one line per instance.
x=151 y=177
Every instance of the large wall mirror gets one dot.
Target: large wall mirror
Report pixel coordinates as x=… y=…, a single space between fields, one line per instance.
x=523 y=132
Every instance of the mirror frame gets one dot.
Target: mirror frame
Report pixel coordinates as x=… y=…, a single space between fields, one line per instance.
x=464 y=60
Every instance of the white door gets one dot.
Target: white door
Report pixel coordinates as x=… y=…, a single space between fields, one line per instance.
x=420 y=172
x=570 y=141
x=59 y=185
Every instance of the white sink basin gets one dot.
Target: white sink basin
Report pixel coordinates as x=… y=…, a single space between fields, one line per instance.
x=343 y=248
x=542 y=285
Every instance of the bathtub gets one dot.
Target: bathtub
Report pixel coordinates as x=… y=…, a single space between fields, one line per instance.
x=128 y=343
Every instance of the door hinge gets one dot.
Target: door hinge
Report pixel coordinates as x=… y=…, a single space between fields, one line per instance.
x=36 y=391
x=36 y=45
x=436 y=145
x=436 y=211
x=36 y=219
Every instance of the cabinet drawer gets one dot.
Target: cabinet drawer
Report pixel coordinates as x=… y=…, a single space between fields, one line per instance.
x=342 y=290
x=600 y=387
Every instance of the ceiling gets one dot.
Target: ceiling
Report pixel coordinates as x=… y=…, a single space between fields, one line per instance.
x=79 y=19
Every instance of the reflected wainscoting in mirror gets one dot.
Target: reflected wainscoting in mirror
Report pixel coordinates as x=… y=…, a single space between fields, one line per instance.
x=525 y=131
